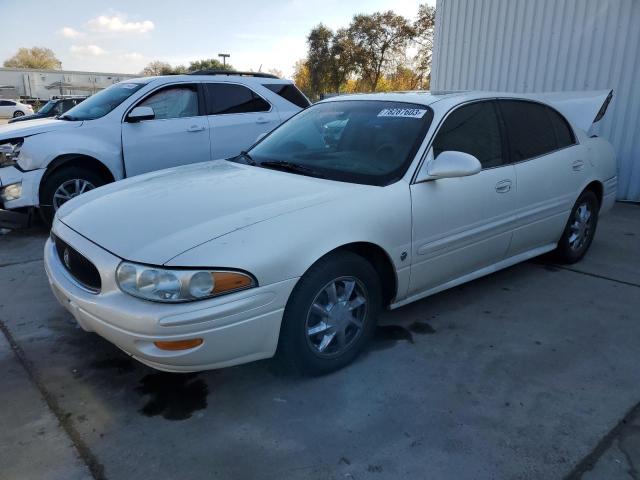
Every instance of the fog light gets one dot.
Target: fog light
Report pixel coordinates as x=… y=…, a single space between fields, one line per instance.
x=11 y=192
x=179 y=344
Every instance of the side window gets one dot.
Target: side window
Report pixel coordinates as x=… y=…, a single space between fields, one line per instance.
x=564 y=134
x=529 y=127
x=472 y=129
x=224 y=98
x=173 y=102
x=6 y=103
x=288 y=92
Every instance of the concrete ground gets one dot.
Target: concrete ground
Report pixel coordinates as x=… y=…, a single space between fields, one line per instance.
x=529 y=373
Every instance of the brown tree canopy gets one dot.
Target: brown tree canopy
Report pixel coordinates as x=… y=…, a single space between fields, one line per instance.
x=35 y=57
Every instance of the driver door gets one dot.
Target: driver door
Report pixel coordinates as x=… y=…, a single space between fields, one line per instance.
x=177 y=135
x=461 y=225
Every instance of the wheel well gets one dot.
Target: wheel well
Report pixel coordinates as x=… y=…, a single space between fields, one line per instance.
x=379 y=259
x=596 y=187
x=77 y=160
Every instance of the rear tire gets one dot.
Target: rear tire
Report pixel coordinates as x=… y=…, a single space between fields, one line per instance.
x=64 y=182
x=330 y=316
x=17 y=114
x=580 y=229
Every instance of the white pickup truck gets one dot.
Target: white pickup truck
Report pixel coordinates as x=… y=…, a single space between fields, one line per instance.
x=133 y=127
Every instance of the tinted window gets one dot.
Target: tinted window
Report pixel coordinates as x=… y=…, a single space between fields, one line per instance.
x=359 y=141
x=223 y=98
x=472 y=129
x=564 y=134
x=530 y=130
x=173 y=102
x=288 y=92
x=6 y=103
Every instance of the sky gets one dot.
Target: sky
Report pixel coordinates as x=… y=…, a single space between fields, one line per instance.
x=122 y=36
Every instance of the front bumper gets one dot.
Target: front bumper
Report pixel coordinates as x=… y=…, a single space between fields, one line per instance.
x=9 y=217
x=236 y=328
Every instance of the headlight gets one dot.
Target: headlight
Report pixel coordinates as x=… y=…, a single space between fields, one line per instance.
x=177 y=285
x=9 y=151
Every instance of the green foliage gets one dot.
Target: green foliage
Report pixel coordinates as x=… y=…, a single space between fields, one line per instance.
x=208 y=64
x=35 y=57
x=381 y=51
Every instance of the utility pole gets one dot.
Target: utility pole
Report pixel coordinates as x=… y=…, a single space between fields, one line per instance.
x=224 y=58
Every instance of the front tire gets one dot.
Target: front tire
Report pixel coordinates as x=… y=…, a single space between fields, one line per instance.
x=580 y=229
x=331 y=315
x=63 y=185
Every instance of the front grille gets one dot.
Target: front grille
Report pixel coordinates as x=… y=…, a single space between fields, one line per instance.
x=78 y=266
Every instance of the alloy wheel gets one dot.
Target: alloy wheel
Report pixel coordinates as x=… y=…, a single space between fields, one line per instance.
x=336 y=317
x=69 y=189
x=580 y=226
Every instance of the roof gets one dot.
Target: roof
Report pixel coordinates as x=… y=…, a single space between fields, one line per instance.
x=189 y=77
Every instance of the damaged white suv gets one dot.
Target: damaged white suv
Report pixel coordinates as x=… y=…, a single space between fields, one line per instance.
x=135 y=127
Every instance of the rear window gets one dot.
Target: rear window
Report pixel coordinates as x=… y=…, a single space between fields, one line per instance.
x=226 y=98
x=288 y=92
x=564 y=134
x=531 y=132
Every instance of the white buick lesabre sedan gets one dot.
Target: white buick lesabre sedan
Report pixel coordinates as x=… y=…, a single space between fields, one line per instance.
x=357 y=203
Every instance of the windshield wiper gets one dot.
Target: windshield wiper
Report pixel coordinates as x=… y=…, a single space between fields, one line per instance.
x=290 y=167
x=244 y=156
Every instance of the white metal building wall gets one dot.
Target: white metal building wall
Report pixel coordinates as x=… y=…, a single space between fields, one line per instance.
x=549 y=45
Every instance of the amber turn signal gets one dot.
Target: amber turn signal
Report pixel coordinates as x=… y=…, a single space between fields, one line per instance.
x=230 y=281
x=179 y=344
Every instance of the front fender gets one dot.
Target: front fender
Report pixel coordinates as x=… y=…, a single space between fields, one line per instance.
x=103 y=143
x=286 y=246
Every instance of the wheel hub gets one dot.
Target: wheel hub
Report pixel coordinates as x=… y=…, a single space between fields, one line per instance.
x=336 y=317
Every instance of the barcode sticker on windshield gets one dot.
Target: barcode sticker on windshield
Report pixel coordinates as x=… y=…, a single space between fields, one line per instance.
x=402 y=112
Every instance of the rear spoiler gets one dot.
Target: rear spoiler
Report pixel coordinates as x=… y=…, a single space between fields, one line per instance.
x=582 y=109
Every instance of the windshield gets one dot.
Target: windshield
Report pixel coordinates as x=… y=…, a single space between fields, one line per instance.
x=47 y=106
x=103 y=102
x=360 y=141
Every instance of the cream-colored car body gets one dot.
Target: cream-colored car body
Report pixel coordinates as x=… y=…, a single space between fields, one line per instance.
x=434 y=233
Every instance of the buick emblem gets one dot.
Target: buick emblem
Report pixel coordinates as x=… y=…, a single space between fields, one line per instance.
x=65 y=258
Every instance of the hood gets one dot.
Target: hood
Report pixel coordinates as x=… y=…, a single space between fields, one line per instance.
x=24 y=118
x=582 y=109
x=155 y=217
x=35 y=126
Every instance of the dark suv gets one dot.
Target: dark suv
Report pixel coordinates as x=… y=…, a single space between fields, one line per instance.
x=52 y=108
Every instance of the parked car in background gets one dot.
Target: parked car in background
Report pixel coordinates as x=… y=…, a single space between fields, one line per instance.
x=139 y=126
x=14 y=109
x=358 y=203
x=52 y=108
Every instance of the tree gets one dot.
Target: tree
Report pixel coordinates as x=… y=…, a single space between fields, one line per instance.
x=379 y=40
x=424 y=26
x=319 y=58
x=302 y=78
x=276 y=72
x=157 y=68
x=208 y=64
x=36 y=57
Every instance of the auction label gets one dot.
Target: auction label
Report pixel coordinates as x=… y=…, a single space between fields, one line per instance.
x=402 y=112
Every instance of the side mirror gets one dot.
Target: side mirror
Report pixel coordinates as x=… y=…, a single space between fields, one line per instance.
x=141 y=113
x=449 y=164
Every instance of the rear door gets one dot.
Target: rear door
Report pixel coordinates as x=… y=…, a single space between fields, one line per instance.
x=237 y=117
x=550 y=171
x=179 y=133
x=461 y=225
x=6 y=108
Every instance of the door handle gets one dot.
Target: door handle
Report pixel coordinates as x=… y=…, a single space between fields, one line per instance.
x=577 y=165
x=195 y=128
x=262 y=120
x=503 y=186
